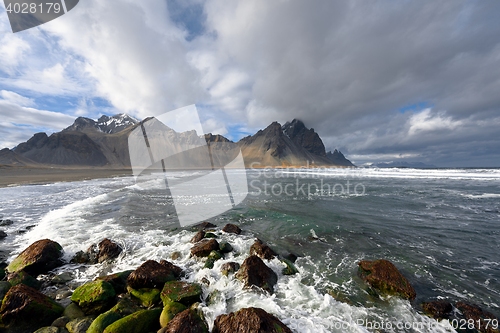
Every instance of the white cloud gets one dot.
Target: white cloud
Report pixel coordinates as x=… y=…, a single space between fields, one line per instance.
x=14 y=98
x=425 y=121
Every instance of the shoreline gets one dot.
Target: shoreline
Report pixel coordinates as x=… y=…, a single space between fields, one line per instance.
x=18 y=176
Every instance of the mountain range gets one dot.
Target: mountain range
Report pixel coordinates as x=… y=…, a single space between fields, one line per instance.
x=104 y=143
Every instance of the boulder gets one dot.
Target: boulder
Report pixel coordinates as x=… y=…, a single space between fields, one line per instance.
x=126 y=305
x=290 y=268
x=229 y=267
x=150 y=274
x=147 y=296
x=73 y=311
x=188 y=321
x=204 y=247
x=4 y=288
x=438 y=309
x=103 y=320
x=225 y=247
x=108 y=250
x=232 y=229
x=23 y=302
x=204 y=225
x=38 y=258
x=94 y=297
x=169 y=311
x=24 y=278
x=140 y=321
x=253 y=320
x=4 y=223
x=175 y=269
x=2 y=234
x=385 y=277
x=212 y=258
x=210 y=235
x=182 y=292
x=79 y=325
x=117 y=280
x=482 y=319
x=49 y=329
x=262 y=250
x=198 y=237
x=61 y=321
x=253 y=272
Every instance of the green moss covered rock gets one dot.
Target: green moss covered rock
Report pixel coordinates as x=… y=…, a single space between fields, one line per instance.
x=22 y=302
x=290 y=268
x=38 y=258
x=24 y=278
x=103 y=321
x=4 y=288
x=94 y=297
x=79 y=325
x=169 y=311
x=383 y=276
x=147 y=296
x=182 y=292
x=140 y=321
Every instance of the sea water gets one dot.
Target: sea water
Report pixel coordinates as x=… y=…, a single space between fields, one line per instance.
x=440 y=227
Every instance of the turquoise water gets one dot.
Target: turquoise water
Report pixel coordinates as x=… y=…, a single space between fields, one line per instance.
x=439 y=227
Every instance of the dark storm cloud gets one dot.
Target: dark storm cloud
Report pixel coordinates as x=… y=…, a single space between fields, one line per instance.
x=347 y=68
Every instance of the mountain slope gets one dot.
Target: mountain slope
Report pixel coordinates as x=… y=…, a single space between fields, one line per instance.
x=272 y=147
x=105 y=142
x=10 y=157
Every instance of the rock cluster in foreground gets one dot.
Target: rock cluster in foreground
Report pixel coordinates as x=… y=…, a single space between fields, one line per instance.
x=155 y=297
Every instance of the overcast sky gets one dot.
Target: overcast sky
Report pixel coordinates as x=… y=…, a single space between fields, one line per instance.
x=379 y=80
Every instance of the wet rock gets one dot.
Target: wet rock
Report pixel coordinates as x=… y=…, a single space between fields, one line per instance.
x=198 y=237
x=232 y=229
x=140 y=321
x=188 y=321
x=169 y=311
x=108 y=250
x=4 y=223
x=290 y=268
x=117 y=280
x=103 y=320
x=253 y=320
x=80 y=258
x=24 y=278
x=175 y=255
x=61 y=321
x=211 y=235
x=79 y=325
x=2 y=234
x=150 y=274
x=175 y=269
x=62 y=278
x=49 y=329
x=438 y=309
x=73 y=311
x=480 y=317
x=225 y=247
x=4 y=288
x=126 y=305
x=182 y=292
x=23 y=302
x=262 y=250
x=39 y=258
x=204 y=225
x=229 y=267
x=385 y=277
x=147 y=296
x=212 y=258
x=253 y=272
x=204 y=247
x=94 y=297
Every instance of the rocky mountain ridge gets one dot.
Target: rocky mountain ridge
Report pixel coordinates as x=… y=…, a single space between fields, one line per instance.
x=104 y=143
